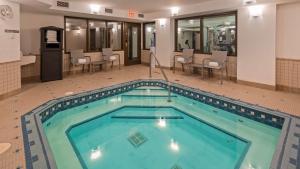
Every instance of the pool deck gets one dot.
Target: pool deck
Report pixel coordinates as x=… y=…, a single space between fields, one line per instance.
x=35 y=94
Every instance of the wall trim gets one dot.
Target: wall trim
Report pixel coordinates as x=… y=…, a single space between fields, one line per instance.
x=288 y=59
x=287 y=88
x=9 y=94
x=258 y=85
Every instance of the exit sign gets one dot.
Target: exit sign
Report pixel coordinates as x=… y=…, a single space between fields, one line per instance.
x=131 y=13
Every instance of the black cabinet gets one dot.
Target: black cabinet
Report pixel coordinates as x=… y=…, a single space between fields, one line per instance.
x=51 y=54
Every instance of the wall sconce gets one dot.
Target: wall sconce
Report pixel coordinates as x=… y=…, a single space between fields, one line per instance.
x=162 y=22
x=174 y=11
x=255 y=11
x=95 y=9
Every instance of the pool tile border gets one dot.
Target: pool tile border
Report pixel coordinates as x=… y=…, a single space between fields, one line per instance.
x=39 y=154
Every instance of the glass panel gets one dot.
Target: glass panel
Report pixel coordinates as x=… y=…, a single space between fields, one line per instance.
x=76 y=30
x=115 y=35
x=149 y=33
x=188 y=34
x=134 y=42
x=219 y=33
x=97 y=35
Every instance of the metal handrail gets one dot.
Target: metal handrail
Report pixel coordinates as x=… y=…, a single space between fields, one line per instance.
x=162 y=71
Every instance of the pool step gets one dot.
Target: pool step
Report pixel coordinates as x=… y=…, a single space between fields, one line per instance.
x=147 y=117
x=147 y=96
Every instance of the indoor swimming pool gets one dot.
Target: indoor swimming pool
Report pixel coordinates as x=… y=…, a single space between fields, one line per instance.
x=140 y=129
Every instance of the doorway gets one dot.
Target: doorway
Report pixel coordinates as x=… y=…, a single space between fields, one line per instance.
x=132 y=43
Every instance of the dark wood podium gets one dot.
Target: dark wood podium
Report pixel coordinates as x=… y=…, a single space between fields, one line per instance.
x=51 y=53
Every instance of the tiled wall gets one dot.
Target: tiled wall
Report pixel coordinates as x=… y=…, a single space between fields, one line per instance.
x=33 y=70
x=10 y=77
x=288 y=74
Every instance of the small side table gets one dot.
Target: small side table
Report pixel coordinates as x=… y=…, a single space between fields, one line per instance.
x=97 y=63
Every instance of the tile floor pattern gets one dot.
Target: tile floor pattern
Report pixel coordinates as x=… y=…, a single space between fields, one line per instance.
x=35 y=94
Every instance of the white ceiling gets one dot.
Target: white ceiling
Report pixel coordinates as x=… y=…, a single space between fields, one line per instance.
x=144 y=6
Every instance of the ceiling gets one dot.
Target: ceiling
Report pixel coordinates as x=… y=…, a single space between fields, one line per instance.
x=143 y=6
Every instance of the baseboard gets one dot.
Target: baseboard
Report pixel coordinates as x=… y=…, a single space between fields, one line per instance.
x=258 y=85
x=30 y=79
x=9 y=94
x=288 y=88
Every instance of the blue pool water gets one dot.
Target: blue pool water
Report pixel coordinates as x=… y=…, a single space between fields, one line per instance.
x=141 y=130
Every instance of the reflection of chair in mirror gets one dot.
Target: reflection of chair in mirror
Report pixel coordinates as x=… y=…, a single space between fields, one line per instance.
x=109 y=56
x=185 y=58
x=78 y=59
x=217 y=61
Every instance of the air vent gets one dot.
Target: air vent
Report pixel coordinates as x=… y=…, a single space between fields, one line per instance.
x=249 y=2
x=141 y=15
x=63 y=4
x=108 y=10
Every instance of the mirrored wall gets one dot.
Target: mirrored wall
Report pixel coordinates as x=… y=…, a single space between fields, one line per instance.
x=92 y=35
x=149 y=35
x=207 y=33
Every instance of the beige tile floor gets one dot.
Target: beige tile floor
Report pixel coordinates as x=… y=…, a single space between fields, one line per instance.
x=35 y=94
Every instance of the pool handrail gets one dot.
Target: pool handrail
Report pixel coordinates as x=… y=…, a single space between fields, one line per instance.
x=162 y=71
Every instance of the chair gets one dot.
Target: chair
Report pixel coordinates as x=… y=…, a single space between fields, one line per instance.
x=78 y=58
x=185 y=58
x=217 y=61
x=109 y=56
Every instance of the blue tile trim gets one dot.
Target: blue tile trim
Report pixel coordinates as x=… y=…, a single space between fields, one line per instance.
x=27 y=151
x=46 y=111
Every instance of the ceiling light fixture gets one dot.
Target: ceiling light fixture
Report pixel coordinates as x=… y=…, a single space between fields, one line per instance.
x=174 y=11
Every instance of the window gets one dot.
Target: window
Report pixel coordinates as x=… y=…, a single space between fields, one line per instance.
x=92 y=35
x=188 y=34
x=207 y=33
x=114 y=30
x=219 y=33
x=76 y=30
x=97 y=35
x=149 y=35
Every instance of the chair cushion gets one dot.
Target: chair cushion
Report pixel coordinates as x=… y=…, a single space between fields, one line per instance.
x=112 y=58
x=181 y=59
x=213 y=64
x=82 y=61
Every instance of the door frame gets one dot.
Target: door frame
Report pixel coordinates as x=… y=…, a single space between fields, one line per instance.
x=127 y=26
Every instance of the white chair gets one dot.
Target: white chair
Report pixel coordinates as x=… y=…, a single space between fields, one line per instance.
x=109 y=56
x=78 y=59
x=185 y=58
x=217 y=61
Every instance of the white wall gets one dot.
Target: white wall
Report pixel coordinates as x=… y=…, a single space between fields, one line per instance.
x=10 y=42
x=164 y=42
x=288 y=27
x=256 y=46
x=30 y=33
